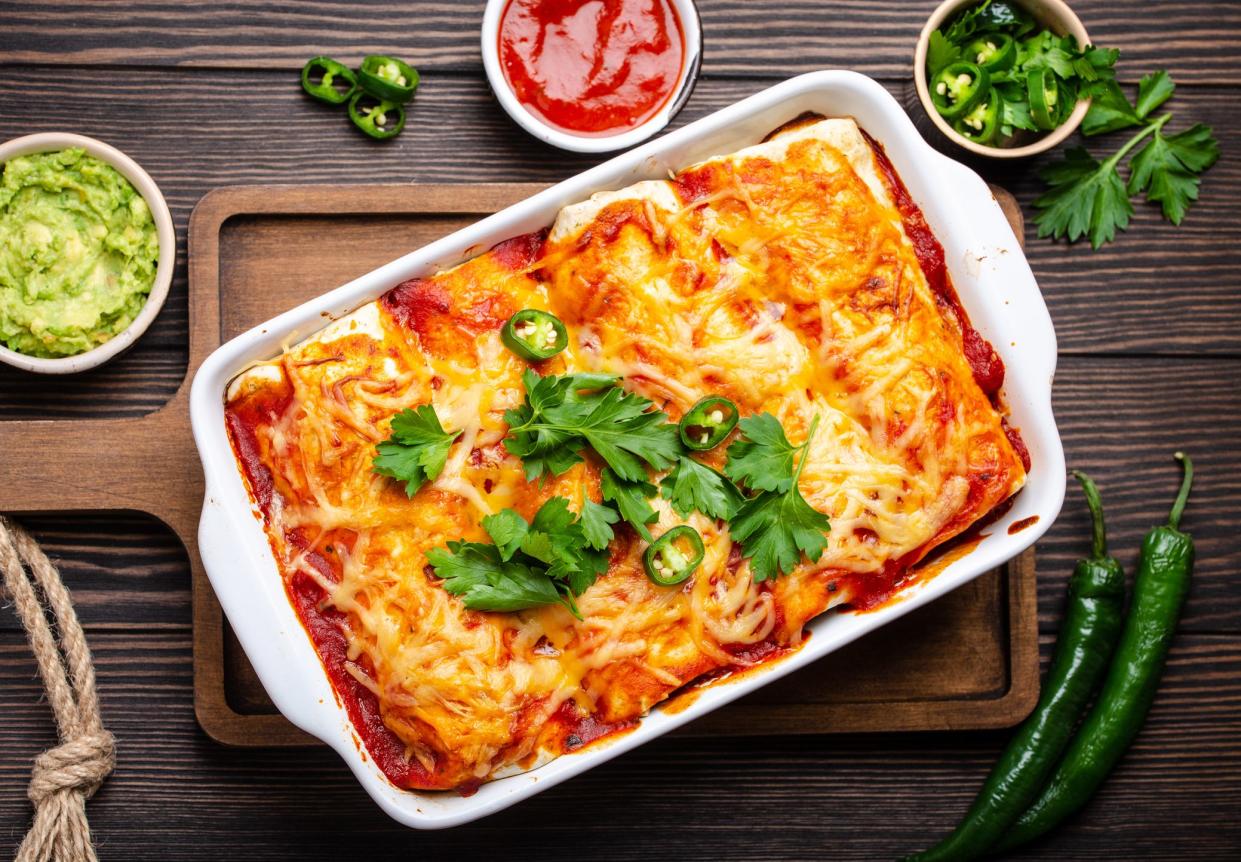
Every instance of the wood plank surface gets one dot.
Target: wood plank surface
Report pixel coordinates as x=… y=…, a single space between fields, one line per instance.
x=1149 y=327
x=1115 y=300
x=742 y=37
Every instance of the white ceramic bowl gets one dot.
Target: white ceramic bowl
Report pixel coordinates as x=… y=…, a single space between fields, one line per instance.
x=1056 y=16
x=993 y=281
x=691 y=28
x=46 y=142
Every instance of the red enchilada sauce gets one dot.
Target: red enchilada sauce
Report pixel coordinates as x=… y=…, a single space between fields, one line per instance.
x=596 y=67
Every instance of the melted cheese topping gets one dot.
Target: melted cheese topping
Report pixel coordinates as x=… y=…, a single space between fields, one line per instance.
x=780 y=277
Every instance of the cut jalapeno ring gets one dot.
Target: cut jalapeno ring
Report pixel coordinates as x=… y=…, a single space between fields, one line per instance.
x=388 y=78
x=674 y=556
x=1044 y=92
x=995 y=52
x=958 y=88
x=379 y=119
x=328 y=81
x=983 y=120
x=708 y=422
x=534 y=335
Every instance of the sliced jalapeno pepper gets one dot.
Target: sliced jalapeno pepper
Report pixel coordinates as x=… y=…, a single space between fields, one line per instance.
x=983 y=120
x=995 y=52
x=534 y=335
x=708 y=422
x=322 y=77
x=1044 y=92
x=674 y=556
x=959 y=87
x=378 y=119
x=388 y=78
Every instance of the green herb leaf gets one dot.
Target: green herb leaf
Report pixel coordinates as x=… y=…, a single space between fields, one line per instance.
x=597 y=521
x=1015 y=115
x=1153 y=91
x=762 y=457
x=940 y=53
x=1110 y=110
x=507 y=529
x=564 y=414
x=549 y=559
x=776 y=529
x=777 y=526
x=630 y=499
x=1166 y=169
x=1046 y=50
x=487 y=583
x=1086 y=198
x=417 y=450
x=693 y=485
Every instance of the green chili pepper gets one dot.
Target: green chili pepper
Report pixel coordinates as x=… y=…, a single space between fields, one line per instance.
x=708 y=422
x=534 y=335
x=1159 y=589
x=674 y=556
x=995 y=52
x=983 y=120
x=1043 y=90
x=959 y=87
x=320 y=77
x=378 y=119
x=388 y=79
x=1087 y=638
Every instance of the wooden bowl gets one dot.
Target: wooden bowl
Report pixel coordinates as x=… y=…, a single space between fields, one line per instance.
x=1055 y=15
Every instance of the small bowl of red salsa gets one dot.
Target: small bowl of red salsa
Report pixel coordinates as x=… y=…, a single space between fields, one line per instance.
x=592 y=75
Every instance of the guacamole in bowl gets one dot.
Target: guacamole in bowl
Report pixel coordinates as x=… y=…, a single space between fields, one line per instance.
x=78 y=253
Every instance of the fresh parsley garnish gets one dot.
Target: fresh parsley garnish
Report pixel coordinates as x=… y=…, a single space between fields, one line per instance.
x=564 y=414
x=776 y=526
x=1088 y=197
x=630 y=500
x=693 y=485
x=417 y=449
x=553 y=558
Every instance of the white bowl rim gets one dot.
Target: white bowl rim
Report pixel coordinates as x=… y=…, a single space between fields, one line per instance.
x=1059 y=10
x=47 y=142
x=691 y=29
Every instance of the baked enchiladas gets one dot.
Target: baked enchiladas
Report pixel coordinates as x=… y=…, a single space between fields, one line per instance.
x=518 y=503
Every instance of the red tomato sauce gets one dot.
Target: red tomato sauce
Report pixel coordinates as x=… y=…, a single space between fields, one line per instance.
x=596 y=67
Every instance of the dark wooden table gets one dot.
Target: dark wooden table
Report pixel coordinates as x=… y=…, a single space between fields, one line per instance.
x=205 y=95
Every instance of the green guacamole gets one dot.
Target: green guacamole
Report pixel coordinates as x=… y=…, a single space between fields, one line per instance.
x=78 y=250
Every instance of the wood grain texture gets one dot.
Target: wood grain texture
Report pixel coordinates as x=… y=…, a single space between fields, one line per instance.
x=1115 y=300
x=742 y=37
x=177 y=796
x=1150 y=328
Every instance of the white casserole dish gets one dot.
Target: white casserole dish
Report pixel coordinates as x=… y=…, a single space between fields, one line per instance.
x=988 y=269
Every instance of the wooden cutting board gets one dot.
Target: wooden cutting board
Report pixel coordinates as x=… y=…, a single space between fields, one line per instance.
x=967 y=661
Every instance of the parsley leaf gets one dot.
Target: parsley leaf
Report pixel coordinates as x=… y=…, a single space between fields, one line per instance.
x=762 y=457
x=1153 y=91
x=1166 y=169
x=487 y=583
x=597 y=521
x=417 y=450
x=1110 y=110
x=630 y=500
x=547 y=560
x=777 y=526
x=1086 y=198
x=564 y=414
x=940 y=53
x=693 y=485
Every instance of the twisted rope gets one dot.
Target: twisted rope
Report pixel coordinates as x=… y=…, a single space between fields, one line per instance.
x=66 y=776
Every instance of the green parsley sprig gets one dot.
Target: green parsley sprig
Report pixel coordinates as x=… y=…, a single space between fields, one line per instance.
x=776 y=526
x=417 y=449
x=1088 y=197
x=553 y=558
